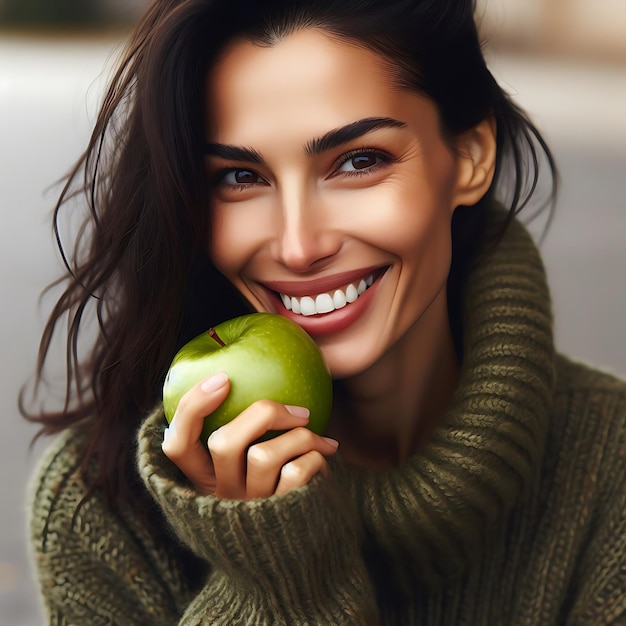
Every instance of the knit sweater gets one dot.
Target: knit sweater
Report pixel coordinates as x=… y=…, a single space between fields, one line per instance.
x=513 y=514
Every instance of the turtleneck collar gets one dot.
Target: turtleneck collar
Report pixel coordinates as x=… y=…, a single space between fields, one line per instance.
x=429 y=518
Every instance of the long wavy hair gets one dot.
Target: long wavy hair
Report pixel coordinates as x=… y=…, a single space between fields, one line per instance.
x=138 y=263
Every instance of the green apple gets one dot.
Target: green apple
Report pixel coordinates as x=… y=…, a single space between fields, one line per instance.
x=266 y=356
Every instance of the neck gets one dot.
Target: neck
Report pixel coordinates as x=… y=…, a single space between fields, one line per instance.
x=385 y=414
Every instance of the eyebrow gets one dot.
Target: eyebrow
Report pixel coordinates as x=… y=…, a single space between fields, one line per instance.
x=232 y=153
x=332 y=139
x=345 y=134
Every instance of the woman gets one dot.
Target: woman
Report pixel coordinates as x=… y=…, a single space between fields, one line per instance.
x=255 y=156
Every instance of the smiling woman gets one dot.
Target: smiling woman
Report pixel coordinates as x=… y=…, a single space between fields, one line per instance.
x=351 y=180
x=352 y=166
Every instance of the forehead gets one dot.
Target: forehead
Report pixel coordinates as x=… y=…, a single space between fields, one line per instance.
x=305 y=78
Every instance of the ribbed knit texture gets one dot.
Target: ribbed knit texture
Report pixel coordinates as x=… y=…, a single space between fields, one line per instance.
x=514 y=514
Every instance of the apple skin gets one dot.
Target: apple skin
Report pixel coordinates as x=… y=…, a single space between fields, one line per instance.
x=266 y=356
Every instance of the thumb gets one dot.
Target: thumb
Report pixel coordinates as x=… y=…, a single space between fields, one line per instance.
x=181 y=443
x=201 y=400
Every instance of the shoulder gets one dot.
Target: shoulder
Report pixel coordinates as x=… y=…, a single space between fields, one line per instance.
x=68 y=525
x=587 y=452
x=592 y=398
x=94 y=564
x=60 y=536
x=589 y=424
x=56 y=488
x=575 y=376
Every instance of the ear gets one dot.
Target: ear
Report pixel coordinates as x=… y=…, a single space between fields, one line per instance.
x=476 y=162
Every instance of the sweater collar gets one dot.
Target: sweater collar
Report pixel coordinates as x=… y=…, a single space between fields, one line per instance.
x=430 y=518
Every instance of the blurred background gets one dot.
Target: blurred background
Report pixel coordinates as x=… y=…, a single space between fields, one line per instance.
x=563 y=60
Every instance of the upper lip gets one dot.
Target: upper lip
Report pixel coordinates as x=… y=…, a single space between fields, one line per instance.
x=323 y=284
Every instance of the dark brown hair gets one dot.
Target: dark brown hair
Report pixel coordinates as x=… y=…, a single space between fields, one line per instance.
x=139 y=263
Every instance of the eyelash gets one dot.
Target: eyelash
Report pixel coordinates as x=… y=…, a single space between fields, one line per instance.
x=384 y=159
x=218 y=179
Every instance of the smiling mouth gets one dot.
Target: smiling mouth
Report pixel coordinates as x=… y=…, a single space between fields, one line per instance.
x=329 y=301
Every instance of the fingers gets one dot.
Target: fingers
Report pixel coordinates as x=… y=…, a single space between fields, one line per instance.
x=245 y=469
x=300 y=471
x=181 y=443
x=237 y=465
x=292 y=459
x=229 y=444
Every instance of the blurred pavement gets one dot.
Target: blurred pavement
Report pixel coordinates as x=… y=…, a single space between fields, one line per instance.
x=48 y=97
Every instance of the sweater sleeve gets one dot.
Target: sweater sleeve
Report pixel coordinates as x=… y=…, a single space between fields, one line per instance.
x=290 y=559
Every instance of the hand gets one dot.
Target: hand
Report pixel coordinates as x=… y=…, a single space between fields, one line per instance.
x=237 y=466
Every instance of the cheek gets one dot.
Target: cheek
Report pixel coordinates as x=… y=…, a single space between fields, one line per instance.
x=217 y=239
x=404 y=216
x=229 y=240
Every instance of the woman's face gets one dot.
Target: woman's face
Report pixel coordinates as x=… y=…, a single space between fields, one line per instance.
x=332 y=194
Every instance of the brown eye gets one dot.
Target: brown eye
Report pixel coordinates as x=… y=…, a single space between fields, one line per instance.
x=363 y=161
x=241 y=177
x=360 y=162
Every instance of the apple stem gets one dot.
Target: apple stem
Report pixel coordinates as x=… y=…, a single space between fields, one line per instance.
x=215 y=336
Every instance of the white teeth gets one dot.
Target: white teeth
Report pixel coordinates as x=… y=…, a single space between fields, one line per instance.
x=325 y=302
x=339 y=299
x=307 y=306
x=351 y=293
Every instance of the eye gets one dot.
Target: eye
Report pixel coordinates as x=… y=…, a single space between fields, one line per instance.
x=361 y=162
x=240 y=177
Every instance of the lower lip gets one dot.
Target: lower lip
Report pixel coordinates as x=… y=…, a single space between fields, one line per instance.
x=335 y=321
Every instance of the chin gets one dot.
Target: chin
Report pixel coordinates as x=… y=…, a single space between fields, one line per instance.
x=347 y=360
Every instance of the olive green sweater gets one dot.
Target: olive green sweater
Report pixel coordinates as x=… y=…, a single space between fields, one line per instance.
x=514 y=514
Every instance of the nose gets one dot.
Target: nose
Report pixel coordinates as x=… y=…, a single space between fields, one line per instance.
x=306 y=238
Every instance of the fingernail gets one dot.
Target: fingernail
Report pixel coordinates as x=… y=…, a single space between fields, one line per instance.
x=166 y=433
x=215 y=382
x=298 y=411
x=331 y=442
